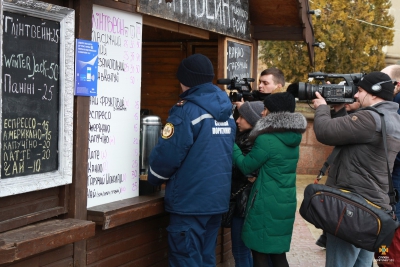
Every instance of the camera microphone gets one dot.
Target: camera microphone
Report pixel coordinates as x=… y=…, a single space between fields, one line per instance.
x=229 y=81
x=224 y=81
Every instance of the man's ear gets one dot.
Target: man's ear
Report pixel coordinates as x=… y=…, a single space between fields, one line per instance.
x=396 y=89
x=373 y=97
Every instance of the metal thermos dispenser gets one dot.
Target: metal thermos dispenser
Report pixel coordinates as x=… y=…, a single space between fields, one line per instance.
x=150 y=131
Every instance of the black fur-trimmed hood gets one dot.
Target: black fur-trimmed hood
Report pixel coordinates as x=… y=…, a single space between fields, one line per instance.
x=279 y=122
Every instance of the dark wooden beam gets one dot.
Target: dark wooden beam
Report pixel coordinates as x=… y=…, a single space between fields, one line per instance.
x=78 y=189
x=126 y=5
x=278 y=33
x=175 y=27
x=308 y=31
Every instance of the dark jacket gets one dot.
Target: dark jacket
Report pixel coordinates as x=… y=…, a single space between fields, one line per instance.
x=397 y=100
x=361 y=164
x=272 y=203
x=195 y=160
x=240 y=181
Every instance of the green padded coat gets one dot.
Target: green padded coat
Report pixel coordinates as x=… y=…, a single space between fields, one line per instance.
x=272 y=202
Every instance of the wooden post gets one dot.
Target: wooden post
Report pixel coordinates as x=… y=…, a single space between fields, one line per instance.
x=78 y=189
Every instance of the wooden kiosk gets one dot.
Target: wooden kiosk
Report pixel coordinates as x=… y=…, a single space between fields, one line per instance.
x=69 y=187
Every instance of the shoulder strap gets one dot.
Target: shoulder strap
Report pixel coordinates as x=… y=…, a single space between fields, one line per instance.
x=393 y=195
x=328 y=162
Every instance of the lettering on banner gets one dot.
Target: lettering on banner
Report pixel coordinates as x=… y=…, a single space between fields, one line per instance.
x=229 y=17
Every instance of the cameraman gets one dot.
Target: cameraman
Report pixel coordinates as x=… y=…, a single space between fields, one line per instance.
x=270 y=80
x=360 y=166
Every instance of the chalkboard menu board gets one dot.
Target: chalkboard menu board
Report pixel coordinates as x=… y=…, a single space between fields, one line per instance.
x=31 y=83
x=36 y=96
x=238 y=60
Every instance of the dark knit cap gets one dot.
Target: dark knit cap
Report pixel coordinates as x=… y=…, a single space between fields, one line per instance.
x=251 y=111
x=293 y=88
x=280 y=102
x=194 y=70
x=386 y=89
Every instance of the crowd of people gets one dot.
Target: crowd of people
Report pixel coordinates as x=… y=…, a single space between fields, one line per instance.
x=211 y=165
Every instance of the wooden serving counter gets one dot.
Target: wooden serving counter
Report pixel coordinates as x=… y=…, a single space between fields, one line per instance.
x=128 y=210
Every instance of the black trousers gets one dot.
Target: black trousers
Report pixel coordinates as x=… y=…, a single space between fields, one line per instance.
x=269 y=260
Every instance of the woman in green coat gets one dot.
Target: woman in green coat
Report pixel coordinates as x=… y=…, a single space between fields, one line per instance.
x=271 y=208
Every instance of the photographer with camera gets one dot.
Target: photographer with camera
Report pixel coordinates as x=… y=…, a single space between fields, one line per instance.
x=270 y=80
x=360 y=166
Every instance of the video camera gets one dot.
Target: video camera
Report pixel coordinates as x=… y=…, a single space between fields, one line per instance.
x=333 y=93
x=242 y=87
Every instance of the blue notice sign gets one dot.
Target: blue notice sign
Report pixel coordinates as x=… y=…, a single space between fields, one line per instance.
x=86 y=67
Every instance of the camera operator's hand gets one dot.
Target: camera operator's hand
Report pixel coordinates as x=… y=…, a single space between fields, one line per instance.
x=239 y=103
x=337 y=107
x=318 y=101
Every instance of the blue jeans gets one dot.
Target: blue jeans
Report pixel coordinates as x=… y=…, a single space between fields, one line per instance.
x=192 y=240
x=396 y=184
x=241 y=253
x=340 y=253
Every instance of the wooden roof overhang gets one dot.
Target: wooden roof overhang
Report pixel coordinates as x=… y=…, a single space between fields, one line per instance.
x=282 y=20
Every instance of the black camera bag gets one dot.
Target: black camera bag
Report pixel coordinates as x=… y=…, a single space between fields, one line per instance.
x=348 y=215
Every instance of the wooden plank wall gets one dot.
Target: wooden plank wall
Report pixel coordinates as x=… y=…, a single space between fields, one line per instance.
x=160 y=88
x=160 y=61
x=23 y=209
x=226 y=244
x=60 y=257
x=140 y=243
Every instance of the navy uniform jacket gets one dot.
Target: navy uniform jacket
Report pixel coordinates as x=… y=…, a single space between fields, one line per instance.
x=194 y=154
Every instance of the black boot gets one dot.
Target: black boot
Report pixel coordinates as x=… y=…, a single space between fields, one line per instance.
x=322 y=240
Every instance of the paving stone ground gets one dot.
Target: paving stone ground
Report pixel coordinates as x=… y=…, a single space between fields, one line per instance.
x=303 y=250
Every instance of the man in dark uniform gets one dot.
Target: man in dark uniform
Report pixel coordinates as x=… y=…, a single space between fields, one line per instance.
x=194 y=157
